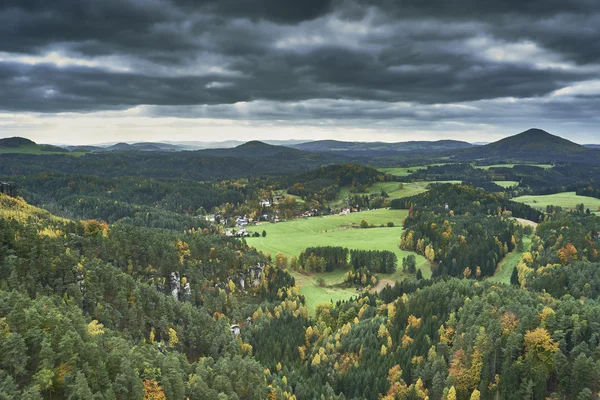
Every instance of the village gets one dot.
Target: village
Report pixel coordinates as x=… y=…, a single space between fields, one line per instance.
x=270 y=212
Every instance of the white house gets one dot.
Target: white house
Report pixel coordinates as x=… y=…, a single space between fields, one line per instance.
x=242 y=233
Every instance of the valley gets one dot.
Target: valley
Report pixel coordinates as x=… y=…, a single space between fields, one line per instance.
x=172 y=273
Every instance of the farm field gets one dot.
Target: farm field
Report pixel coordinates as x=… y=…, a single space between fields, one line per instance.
x=486 y=167
x=36 y=149
x=566 y=200
x=506 y=184
x=401 y=171
x=315 y=294
x=292 y=237
x=405 y=171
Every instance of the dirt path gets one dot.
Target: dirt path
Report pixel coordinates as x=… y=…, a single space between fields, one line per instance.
x=381 y=284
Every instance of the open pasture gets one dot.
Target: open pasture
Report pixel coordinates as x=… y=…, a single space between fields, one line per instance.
x=566 y=200
x=292 y=237
x=486 y=167
x=507 y=184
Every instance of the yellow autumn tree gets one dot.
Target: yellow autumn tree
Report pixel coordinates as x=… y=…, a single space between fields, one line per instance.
x=95 y=328
x=429 y=252
x=382 y=331
x=173 y=339
x=398 y=388
x=316 y=360
x=540 y=349
x=184 y=250
x=281 y=260
x=451 y=394
x=476 y=395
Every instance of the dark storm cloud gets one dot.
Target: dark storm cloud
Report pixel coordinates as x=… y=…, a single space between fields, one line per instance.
x=288 y=12
x=212 y=52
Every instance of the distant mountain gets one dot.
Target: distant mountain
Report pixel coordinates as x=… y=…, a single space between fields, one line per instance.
x=84 y=148
x=381 y=148
x=142 y=146
x=259 y=150
x=171 y=145
x=534 y=145
x=592 y=146
x=120 y=147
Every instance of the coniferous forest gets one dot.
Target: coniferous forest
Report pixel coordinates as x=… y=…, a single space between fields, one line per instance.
x=128 y=287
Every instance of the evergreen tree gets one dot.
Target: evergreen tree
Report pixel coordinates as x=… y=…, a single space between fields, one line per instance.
x=514 y=277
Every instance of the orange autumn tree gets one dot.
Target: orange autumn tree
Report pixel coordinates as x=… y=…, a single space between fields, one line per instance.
x=153 y=391
x=567 y=254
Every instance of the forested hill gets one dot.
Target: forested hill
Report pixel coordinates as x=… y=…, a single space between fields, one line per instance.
x=20 y=145
x=254 y=158
x=325 y=183
x=533 y=145
x=381 y=148
x=96 y=311
x=91 y=311
x=15 y=142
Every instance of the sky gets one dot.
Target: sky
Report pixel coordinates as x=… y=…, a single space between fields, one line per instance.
x=89 y=71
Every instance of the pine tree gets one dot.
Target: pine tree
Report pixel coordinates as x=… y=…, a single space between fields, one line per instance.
x=80 y=389
x=419 y=274
x=514 y=277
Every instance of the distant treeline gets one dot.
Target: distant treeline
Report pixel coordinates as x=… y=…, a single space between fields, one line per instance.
x=589 y=191
x=538 y=180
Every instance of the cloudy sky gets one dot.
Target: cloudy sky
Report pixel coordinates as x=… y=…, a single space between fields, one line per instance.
x=90 y=71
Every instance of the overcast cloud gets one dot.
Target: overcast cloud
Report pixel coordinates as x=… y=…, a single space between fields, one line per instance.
x=88 y=71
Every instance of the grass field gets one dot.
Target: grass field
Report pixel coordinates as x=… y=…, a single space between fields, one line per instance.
x=566 y=200
x=402 y=171
x=35 y=149
x=508 y=263
x=506 y=184
x=292 y=237
x=405 y=171
x=486 y=167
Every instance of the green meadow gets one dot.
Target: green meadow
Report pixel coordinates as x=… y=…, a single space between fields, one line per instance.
x=507 y=184
x=402 y=171
x=405 y=171
x=37 y=150
x=566 y=200
x=292 y=237
x=486 y=167
x=508 y=263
